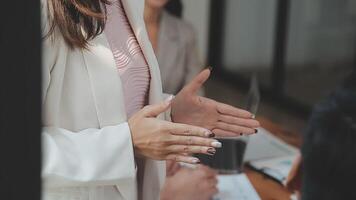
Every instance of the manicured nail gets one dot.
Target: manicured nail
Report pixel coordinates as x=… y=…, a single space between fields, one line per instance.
x=211 y=151
x=256 y=131
x=169 y=99
x=208 y=133
x=195 y=160
x=216 y=144
x=211 y=135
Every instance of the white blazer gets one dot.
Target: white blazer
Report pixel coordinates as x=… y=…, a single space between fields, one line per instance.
x=86 y=141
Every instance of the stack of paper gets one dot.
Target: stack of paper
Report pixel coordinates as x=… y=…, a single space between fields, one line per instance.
x=270 y=155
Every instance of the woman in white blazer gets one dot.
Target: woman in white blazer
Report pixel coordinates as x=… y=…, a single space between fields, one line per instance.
x=91 y=149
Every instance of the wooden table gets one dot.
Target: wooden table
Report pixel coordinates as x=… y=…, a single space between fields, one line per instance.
x=266 y=187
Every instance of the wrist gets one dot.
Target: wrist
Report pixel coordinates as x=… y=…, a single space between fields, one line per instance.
x=133 y=138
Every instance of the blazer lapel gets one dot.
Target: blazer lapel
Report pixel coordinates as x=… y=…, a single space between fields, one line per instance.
x=102 y=73
x=154 y=171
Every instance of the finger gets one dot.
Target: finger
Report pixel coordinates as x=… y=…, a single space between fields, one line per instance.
x=207 y=175
x=211 y=173
x=251 y=123
x=171 y=167
x=184 y=129
x=156 y=109
x=195 y=141
x=230 y=110
x=178 y=149
x=238 y=130
x=170 y=164
x=175 y=168
x=213 y=181
x=198 y=81
x=210 y=183
x=181 y=158
x=223 y=133
x=214 y=190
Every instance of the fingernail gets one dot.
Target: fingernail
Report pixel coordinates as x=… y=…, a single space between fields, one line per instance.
x=169 y=99
x=253 y=116
x=208 y=133
x=195 y=160
x=211 y=135
x=256 y=131
x=210 y=68
x=216 y=144
x=211 y=151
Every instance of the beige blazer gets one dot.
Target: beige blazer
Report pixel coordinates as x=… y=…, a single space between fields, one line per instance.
x=87 y=146
x=177 y=53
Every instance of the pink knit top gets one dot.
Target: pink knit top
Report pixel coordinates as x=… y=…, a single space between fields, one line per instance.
x=130 y=61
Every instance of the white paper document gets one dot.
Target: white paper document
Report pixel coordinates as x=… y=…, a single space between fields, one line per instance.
x=277 y=168
x=235 y=187
x=270 y=155
x=265 y=145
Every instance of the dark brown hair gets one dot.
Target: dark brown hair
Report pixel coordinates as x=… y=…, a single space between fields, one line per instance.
x=77 y=20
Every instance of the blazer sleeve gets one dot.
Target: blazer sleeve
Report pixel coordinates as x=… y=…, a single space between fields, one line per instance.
x=102 y=156
x=87 y=158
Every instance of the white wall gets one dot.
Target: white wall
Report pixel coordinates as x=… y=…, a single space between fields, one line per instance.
x=320 y=32
x=197 y=13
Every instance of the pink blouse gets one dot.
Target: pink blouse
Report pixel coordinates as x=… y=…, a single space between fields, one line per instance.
x=130 y=61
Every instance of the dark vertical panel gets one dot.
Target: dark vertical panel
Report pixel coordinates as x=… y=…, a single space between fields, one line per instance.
x=354 y=61
x=280 y=45
x=216 y=34
x=20 y=100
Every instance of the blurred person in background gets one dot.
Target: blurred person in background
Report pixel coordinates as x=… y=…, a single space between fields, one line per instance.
x=106 y=127
x=326 y=169
x=173 y=41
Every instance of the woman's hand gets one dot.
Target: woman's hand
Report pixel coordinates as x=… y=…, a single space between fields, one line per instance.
x=221 y=119
x=190 y=184
x=172 y=167
x=163 y=140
